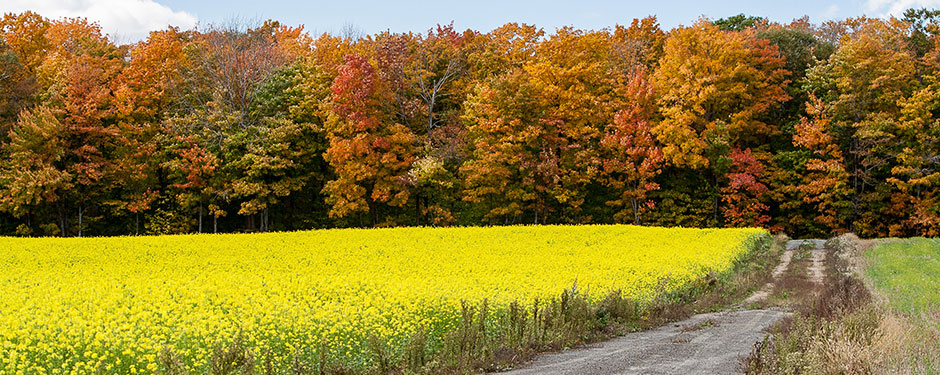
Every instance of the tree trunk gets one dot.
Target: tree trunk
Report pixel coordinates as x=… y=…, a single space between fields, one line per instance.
x=417 y=210
x=80 y=213
x=200 y=217
x=215 y=223
x=63 y=220
x=431 y=113
x=373 y=211
x=137 y=223
x=717 y=195
x=264 y=219
x=636 y=211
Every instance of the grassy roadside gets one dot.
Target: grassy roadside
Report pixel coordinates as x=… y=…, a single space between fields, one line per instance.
x=493 y=340
x=870 y=316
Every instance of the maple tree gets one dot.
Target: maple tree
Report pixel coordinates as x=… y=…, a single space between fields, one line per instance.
x=507 y=169
x=744 y=192
x=369 y=153
x=631 y=159
x=144 y=93
x=826 y=185
x=714 y=88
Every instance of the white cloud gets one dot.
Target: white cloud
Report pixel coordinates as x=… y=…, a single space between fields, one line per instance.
x=831 y=11
x=884 y=8
x=123 y=20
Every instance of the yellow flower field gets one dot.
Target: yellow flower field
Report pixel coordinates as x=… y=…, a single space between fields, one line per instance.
x=112 y=304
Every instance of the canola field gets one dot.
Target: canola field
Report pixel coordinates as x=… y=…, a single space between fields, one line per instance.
x=110 y=305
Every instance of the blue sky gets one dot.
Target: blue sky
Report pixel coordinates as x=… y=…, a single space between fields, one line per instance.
x=130 y=20
x=373 y=16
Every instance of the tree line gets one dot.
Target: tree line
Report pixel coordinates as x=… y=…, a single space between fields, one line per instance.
x=811 y=129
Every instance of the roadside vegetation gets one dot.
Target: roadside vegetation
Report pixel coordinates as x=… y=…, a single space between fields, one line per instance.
x=876 y=313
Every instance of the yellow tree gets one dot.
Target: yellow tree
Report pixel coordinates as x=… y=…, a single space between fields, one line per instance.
x=581 y=87
x=714 y=89
x=505 y=48
x=507 y=172
x=534 y=132
x=711 y=80
x=917 y=172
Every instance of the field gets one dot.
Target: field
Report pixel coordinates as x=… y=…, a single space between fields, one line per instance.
x=908 y=272
x=113 y=304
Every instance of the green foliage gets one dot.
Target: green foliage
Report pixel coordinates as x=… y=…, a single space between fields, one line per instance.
x=739 y=22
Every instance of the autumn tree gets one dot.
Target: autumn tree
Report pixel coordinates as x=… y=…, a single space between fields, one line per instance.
x=715 y=86
x=916 y=174
x=630 y=158
x=34 y=173
x=75 y=78
x=508 y=173
x=23 y=46
x=712 y=80
x=743 y=196
x=826 y=185
x=507 y=47
x=641 y=43
x=859 y=88
x=369 y=153
x=25 y=34
x=145 y=95
x=221 y=85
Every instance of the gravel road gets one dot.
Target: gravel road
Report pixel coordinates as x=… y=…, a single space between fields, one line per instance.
x=710 y=343
x=703 y=344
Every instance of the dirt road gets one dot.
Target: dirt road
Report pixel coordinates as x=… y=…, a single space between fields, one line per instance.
x=703 y=344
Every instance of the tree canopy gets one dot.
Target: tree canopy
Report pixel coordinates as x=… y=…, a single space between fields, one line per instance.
x=808 y=129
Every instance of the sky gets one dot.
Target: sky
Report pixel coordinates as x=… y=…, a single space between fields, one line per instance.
x=131 y=20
